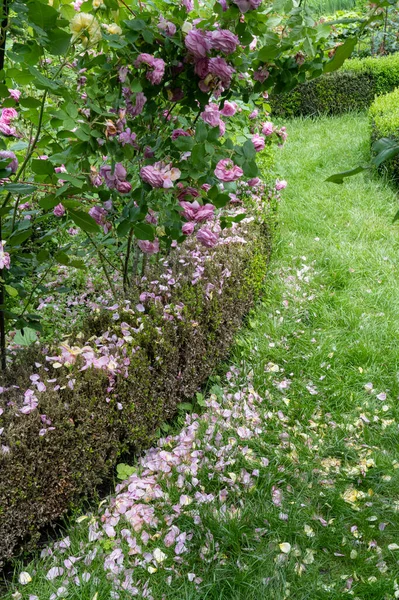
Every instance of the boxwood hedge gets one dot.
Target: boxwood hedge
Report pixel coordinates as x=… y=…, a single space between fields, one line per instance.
x=353 y=87
x=384 y=117
x=42 y=476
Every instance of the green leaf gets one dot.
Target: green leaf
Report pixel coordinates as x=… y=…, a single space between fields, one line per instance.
x=25 y=337
x=11 y=291
x=42 y=15
x=144 y=231
x=83 y=220
x=42 y=167
x=249 y=150
x=221 y=200
x=20 y=188
x=339 y=177
x=48 y=202
x=124 y=471
x=59 y=42
x=184 y=143
x=341 y=54
x=387 y=148
x=42 y=82
x=250 y=169
x=19 y=237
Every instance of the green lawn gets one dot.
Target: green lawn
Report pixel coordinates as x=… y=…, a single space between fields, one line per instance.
x=319 y=516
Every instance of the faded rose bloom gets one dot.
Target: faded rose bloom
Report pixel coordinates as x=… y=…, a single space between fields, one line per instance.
x=123 y=187
x=127 y=137
x=207 y=237
x=229 y=109
x=122 y=74
x=7 y=129
x=156 y=64
x=197 y=43
x=59 y=210
x=226 y=170
x=261 y=74
x=178 y=133
x=253 y=182
x=259 y=142
x=166 y=26
x=137 y=108
x=15 y=94
x=8 y=155
x=211 y=115
x=160 y=175
x=267 y=128
x=149 y=247
x=8 y=114
x=148 y=152
x=98 y=214
x=219 y=67
x=280 y=185
x=188 y=228
x=5 y=260
x=253 y=114
x=193 y=211
x=246 y=5
x=223 y=40
x=188 y=5
x=151 y=175
x=223 y=4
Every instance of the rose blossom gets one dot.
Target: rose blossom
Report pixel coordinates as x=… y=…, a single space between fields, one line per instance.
x=207 y=237
x=259 y=142
x=261 y=74
x=13 y=164
x=156 y=64
x=223 y=40
x=219 y=67
x=253 y=114
x=15 y=94
x=188 y=228
x=197 y=43
x=59 y=210
x=226 y=170
x=159 y=175
x=188 y=5
x=149 y=247
x=178 y=133
x=193 y=211
x=4 y=257
x=246 y=5
x=7 y=114
x=280 y=185
x=166 y=26
x=211 y=115
x=267 y=128
x=253 y=182
x=229 y=109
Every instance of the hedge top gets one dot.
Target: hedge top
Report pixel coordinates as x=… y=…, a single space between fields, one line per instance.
x=384 y=113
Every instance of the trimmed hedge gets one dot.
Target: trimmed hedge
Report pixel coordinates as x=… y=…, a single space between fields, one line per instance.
x=384 y=117
x=353 y=87
x=171 y=349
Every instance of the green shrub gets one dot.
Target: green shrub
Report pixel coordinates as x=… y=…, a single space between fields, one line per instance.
x=354 y=87
x=384 y=117
x=42 y=476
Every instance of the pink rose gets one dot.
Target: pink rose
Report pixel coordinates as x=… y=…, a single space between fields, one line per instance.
x=6 y=129
x=246 y=5
x=149 y=247
x=178 y=133
x=253 y=182
x=229 y=109
x=8 y=155
x=226 y=170
x=166 y=26
x=211 y=115
x=259 y=142
x=280 y=185
x=207 y=237
x=267 y=128
x=197 y=43
x=151 y=175
x=156 y=64
x=261 y=74
x=223 y=40
x=219 y=67
x=253 y=114
x=7 y=114
x=123 y=187
x=5 y=260
x=59 y=210
x=188 y=228
x=15 y=94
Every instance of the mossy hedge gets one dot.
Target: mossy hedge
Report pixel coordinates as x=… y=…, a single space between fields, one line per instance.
x=353 y=87
x=384 y=117
x=41 y=477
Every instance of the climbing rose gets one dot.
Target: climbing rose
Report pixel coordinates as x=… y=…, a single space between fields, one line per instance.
x=151 y=175
x=267 y=128
x=223 y=40
x=4 y=257
x=219 y=67
x=13 y=164
x=59 y=210
x=188 y=5
x=159 y=175
x=280 y=185
x=7 y=114
x=211 y=115
x=82 y=24
x=156 y=64
x=166 y=26
x=188 y=228
x=197 y=43
x=178 y=133
x=149 y=247
x=259 y=142
x=207 y=237
x=193 y=211
x=246 y=5
x=226 y=170
x=229 y=109
x=15 y=94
